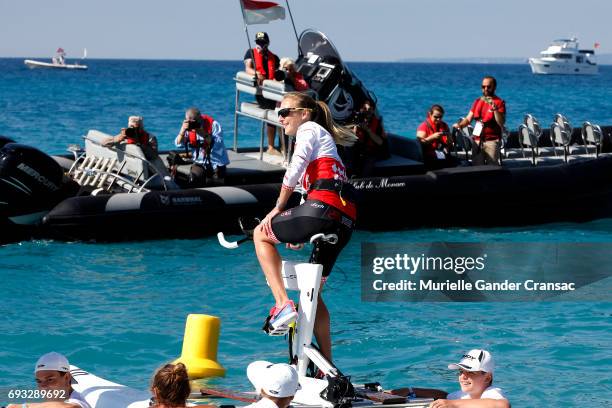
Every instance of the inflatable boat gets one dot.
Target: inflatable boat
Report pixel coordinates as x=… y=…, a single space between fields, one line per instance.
x=111 y=193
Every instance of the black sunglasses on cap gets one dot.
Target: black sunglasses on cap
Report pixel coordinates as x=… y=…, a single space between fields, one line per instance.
x=283 y=113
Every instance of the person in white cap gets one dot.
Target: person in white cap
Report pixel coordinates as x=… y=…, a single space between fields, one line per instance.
x=476 y=381
x=276 y=383
x=135 y=133
x=52 y=373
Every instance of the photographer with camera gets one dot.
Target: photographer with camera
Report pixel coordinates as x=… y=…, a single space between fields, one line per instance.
x=135 y=133
x=203 y=137
x=372 y=141
x=435 y=139
x=292 y=77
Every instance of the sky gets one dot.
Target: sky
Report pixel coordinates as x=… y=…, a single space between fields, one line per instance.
x=374 y=30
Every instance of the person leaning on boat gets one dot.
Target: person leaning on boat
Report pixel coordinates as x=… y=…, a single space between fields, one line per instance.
x=372 y=142
x=476 y=380
x=434 y=136
x=329 y=207
x=203 y=136
x=489 y=111
x=293 y=79
x=135 y=133
x=275 y=383
x=262 y=64
x=170 y=387
x=53 y=376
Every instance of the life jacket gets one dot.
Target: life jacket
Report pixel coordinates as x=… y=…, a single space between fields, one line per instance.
x=434 y=129
x=329 y=168
x=482 y=112
x=141 y=139
x=192 y=136
x=259 y=56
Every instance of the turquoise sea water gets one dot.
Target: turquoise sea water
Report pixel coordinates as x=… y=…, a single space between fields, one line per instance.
x=119 y=309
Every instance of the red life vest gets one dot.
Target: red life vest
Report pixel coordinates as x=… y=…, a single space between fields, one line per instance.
x=442 y=127
x=192 y=136
x=258 y=54
x=142 y=138
x=328 y=168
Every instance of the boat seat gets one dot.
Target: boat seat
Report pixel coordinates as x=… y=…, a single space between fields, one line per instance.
x=592 y=136
x=246 y=83
x=272 y=114
x=253 y=109
x=126 y=160
x=273 y=90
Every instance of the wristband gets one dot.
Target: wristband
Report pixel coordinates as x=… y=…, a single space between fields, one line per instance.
x=411 y=393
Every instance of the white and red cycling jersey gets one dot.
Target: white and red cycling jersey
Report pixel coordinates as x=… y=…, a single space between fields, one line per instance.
x=316 y=158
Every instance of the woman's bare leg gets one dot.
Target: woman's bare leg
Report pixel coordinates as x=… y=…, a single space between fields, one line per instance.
x=271 y=264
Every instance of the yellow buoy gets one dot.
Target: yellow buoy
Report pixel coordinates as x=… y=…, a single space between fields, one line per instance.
x=200 y=344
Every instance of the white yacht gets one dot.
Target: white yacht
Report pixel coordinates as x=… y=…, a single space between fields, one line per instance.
x=565 y=57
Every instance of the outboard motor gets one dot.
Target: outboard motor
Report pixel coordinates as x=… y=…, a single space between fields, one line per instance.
x=31 y=184
x=320 y=63
x=5 y=140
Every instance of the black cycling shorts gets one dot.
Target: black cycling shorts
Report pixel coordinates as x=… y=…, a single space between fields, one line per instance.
x=297 y=225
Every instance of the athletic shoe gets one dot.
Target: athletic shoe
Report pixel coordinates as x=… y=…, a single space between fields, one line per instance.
x=282 y=318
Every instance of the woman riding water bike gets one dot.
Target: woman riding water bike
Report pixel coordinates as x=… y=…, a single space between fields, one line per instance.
x=329 y=207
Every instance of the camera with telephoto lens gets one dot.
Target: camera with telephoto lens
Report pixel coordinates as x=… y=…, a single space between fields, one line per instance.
x=360 y=117
x=280 y=75
x=193 y=124
x=131 y=132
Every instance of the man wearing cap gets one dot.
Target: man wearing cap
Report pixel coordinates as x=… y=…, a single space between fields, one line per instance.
x=276 y=383
x=261 y=63
x=476 y=381
x=52 y=372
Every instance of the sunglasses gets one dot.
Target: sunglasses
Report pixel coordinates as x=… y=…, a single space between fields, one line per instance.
x=283 y=113
x=487 y=86
x=436 y=117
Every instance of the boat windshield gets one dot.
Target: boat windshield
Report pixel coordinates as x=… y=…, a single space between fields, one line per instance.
x=565 y=43
x=317 y=43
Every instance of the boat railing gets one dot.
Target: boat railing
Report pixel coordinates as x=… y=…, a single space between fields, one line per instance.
x=272 y=90
x=112 y=165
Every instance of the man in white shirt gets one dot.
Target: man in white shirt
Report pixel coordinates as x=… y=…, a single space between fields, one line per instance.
x=476 y=381
x=276 y=383
x=52 y=373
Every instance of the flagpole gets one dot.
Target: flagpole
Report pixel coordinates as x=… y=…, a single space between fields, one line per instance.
x=246 y=32
x=294 y=30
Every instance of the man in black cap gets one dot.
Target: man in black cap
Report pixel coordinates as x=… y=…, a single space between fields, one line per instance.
x=261 y=63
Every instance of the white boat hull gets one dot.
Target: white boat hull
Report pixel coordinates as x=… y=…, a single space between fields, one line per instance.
x=540 y=66
x=39 y=64
x=101 y=393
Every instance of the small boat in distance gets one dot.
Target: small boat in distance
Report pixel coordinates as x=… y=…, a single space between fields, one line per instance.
x=564 y=57
x=57 y=62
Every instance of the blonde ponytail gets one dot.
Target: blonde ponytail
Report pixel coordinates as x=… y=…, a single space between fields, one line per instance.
x=341 y=135
x=321 y=114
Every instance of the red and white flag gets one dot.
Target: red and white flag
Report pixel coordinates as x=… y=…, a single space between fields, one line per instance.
x=596 y=45
x=261 y=11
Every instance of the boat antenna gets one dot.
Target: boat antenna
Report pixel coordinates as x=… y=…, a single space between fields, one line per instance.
x=246 y=32
x=294 y=30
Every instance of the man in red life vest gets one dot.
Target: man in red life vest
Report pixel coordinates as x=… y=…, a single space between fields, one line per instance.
x=433 y=134
x=135 y=133
x=261 y=63
x=489 y=111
